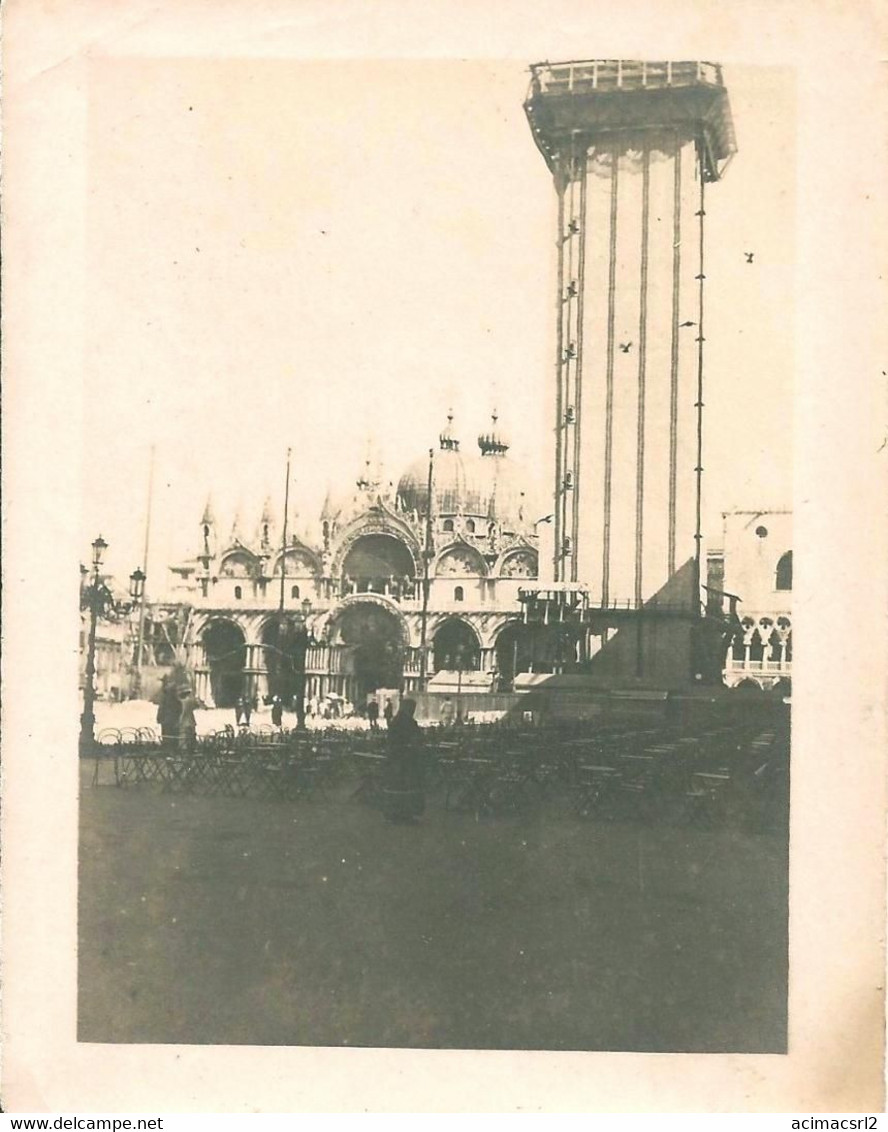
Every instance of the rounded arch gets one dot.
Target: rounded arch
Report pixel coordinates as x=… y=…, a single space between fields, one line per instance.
x=301 y=562
x=460 y=560
x=225 y=645
x=455 y=646
x=522 y=562
x=237 y=563
x=513 y=651
x=389 y=526
x=376 y=634
x=283 y=640
x=783 y=573
x=377 y=561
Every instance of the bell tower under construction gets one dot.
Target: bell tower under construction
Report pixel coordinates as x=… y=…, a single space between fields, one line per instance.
x=632 y=147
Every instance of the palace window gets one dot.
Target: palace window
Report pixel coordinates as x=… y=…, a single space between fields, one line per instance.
x=238 y=593
x=470 y=526
x=783 y=578
x=448 y=524
x=294 y=591
x=459 y=593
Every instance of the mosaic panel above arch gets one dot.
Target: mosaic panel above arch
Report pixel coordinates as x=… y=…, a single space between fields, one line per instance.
x=300 y=563
x=460 y=562
x=238 y=564
x=520 y=564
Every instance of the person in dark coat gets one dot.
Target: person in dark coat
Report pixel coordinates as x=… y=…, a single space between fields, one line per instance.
x=277 y=711
x=169 y=712
x=373 y=714
x=187 y=721
x=403 y=793
x=389 y=712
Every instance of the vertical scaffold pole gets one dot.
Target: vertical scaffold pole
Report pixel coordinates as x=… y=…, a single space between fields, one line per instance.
x=559 y=393
x=609 y=405
x=698 y=469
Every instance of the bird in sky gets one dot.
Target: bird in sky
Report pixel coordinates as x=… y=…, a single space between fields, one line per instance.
x=689 y=322
x=625 y=347
x=749 y=256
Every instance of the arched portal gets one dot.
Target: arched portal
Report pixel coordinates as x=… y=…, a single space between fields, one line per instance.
x=226 y=656
x=284 y=645
x=377 y=563
x=513 y=653
x=374 y=634
x=456 y=648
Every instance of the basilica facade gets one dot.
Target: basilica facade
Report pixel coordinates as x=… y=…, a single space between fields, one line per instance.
x=402 y=588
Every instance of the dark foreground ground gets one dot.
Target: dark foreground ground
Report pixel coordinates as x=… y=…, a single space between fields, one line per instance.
x=225 y=920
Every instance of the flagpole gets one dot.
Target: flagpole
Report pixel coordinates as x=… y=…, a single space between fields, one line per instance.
x=284 y=535
x=140 y=644
x=427 y=553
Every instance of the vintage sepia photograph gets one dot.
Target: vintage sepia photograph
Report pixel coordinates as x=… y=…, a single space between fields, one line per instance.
x=436 y=627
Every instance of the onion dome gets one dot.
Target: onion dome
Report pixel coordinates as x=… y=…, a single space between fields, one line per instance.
x=492 y=443
x=502 y=490
x=454 y=492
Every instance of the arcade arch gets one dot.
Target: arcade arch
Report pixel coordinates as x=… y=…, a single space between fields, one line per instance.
x=226 y=653
x=456 y=647
x=376 y=637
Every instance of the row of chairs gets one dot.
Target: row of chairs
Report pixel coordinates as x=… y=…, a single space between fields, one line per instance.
x=616 y=771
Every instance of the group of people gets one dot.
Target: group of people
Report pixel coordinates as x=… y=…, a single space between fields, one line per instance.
x=175 y=714
x=388 y=713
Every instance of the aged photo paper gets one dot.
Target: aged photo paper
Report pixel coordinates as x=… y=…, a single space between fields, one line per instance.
x=269 y=271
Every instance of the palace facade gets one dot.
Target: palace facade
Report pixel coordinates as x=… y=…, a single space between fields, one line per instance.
x=402 y=589
x=753 y=564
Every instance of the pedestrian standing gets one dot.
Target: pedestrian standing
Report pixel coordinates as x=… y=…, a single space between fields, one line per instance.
x=187 y=721
x=169 y=712
x=373 y=714
x=403 y=796
x=277 y=711
x=238 y=710
x=447 y=712
x=389 y=712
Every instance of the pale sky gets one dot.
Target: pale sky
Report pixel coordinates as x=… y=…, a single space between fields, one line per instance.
x=282 y=253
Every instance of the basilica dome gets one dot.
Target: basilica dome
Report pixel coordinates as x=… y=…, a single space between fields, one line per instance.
x=483 y=486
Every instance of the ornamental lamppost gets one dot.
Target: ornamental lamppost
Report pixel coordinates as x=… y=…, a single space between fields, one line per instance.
x=293 y=641
x=98 y=599
x=137 y=593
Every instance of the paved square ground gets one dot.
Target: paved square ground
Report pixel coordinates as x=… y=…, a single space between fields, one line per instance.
x=225 y=920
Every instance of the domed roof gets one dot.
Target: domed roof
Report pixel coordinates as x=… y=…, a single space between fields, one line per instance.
x=481 y=486
x=455 y=492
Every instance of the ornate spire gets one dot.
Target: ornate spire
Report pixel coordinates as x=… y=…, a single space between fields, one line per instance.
x=236 y=533
x=448 y=441
x=209 y=519
x=492 y=443
x=327 y=511
x=266 y=525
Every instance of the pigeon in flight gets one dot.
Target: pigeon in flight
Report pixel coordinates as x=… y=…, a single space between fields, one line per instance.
x=749 y=256
x=625 y=347
x=689 y=322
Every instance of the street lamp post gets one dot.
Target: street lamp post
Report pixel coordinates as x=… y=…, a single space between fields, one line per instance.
x=97 y=598
x=305 y=640
x=137 y=593
x=90 y=594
